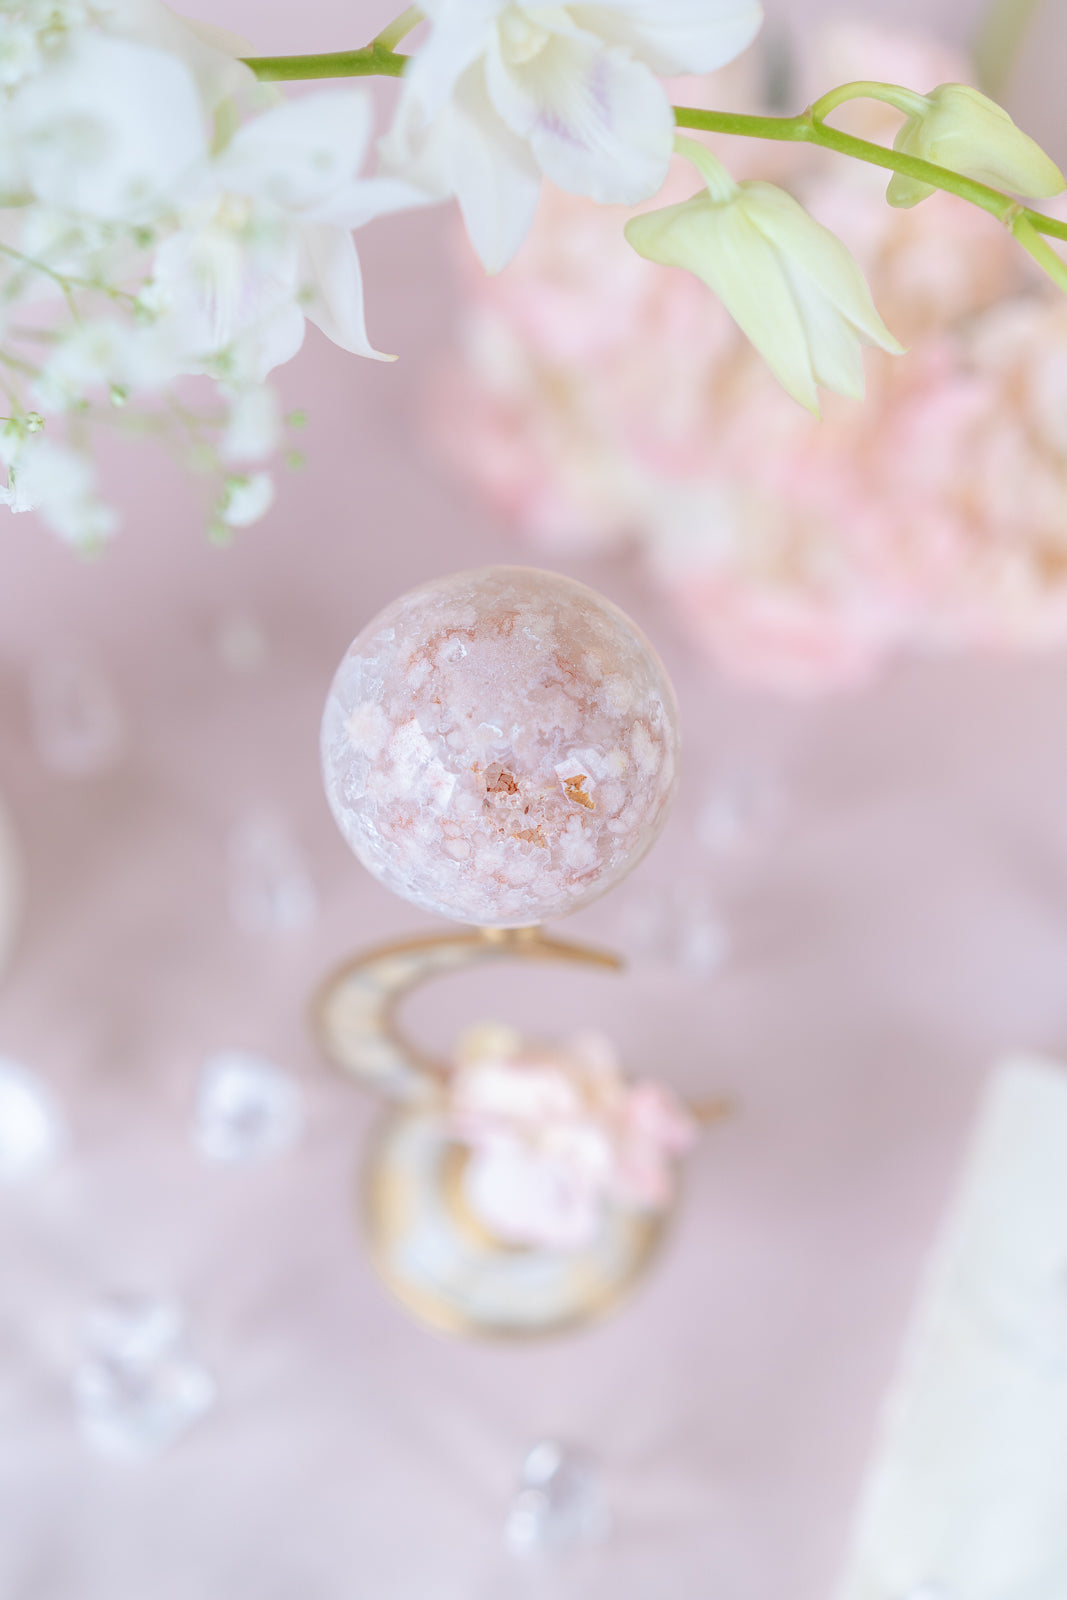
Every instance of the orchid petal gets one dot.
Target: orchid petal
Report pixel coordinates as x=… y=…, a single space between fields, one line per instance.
x=333 y=289
x=301 y=153
x=728 y=252
x=415 y=150
x=269 y=343
x=495 y=177
x=788 y=282
x=835 y=351
x=816 y=253
x=212 y=54
x=361 y=202
x=597 y=122
x=111 y=129
x=453 y=45
x=216 y=291
x=675 y=36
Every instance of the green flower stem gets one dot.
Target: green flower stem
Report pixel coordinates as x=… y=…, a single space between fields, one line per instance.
x=1040 y=249
x=65 y=285
x=398 y=29
x=373 y=61
x=904 y=100
x=66 y=282
x=379 y=59
x=806 y=130
x=721 y=186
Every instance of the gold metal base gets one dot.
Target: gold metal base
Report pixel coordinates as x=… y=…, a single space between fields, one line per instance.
x=425 y=1241
x=445 y=1267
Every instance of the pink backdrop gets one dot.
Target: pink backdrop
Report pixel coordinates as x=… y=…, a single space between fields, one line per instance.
x=901 y=926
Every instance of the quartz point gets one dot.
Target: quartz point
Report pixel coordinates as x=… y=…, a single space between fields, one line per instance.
x=559 y=1503
x=241 y=644
x=76 y=722
x=136 y=1387
x=740 y=808
x=31 y=1129
x=676 y=926
x=246 y=1108
x=269 y=887
x=500 y=746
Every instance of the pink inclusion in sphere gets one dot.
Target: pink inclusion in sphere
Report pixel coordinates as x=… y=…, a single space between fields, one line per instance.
x=500 y=746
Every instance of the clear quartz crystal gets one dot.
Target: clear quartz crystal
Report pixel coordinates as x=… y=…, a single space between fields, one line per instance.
x=31 y=1128
x=741 y=807
x=241 y=644
x=246 y=1108
x=559 y=1503
x=269 y=887
x=136 y=1387
x=677 y=926
x=75 y=717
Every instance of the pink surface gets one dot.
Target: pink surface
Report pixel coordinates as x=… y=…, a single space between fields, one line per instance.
x=903 y=925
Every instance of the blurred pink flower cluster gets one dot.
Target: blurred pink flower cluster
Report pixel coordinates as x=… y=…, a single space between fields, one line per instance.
x=603 y=402
x=556 y=1133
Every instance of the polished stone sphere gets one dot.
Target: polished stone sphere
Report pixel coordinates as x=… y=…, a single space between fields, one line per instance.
x=500 y=746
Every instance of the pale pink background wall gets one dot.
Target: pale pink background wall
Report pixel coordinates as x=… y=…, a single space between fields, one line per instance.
x=904 y=924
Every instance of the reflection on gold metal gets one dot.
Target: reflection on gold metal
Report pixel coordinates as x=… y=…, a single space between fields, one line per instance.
x=426 y=1240
x=709 y=1111
x=354 y=1014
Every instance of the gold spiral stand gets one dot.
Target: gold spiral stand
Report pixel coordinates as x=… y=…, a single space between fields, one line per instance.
x=426 y=1243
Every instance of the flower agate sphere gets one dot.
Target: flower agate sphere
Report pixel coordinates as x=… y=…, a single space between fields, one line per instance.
x=500 y=746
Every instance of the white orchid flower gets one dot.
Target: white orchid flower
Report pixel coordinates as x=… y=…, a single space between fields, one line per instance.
x=112 y=129
x=270 y=242
x=788 y=282
x=504 y=91
x=957 y=127
x=212 y=54
x=150 y=232
x=223 y=292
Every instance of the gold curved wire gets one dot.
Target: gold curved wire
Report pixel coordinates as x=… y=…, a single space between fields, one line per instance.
x=354 y=1012
x=413 y=1178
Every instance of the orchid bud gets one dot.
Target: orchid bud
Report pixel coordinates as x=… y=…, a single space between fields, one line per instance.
x=964 y=131
x=789 y=283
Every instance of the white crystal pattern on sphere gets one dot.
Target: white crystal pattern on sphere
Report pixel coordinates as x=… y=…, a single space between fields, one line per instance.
x=500 y=746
